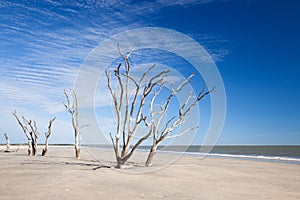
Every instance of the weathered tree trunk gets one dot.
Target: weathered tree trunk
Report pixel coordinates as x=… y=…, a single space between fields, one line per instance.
x=29 y=151
x=77 y=147
x=34 y=147
x=47 y=134
x=34 y=151
x=120 y=163
x=45 y=150
x=73 y=110
x=33 y=144
x=77 y=154
x=151 y=155
x=7 y=143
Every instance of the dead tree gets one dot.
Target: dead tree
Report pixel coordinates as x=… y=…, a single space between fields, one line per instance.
x=47 y=135
x=7 y=143
x=34 y=134
x=159 y=135
x=129 y=110
x=72 y=108
x=26 y=131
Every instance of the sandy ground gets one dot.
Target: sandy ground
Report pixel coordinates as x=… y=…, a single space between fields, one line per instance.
x=60 y=176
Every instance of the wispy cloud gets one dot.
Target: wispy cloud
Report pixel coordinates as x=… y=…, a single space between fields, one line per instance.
x=43 y=44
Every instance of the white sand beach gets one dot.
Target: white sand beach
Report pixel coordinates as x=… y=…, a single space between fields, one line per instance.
x=60 y=176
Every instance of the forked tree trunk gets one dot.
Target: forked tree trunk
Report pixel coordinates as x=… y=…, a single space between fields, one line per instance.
x=151 y=155
x=47 y=134
x=120 y=163
x=129 y=109
x=30 y=130
x=26 y=132
x=73 y=110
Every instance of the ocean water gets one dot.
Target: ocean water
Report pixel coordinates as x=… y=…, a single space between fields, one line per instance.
x=285 y=154
x=281 y=154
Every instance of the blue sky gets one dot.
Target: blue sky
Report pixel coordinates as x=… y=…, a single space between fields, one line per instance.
x=255 y=45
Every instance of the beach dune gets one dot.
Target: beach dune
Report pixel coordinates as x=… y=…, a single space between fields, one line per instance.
x=60 y=176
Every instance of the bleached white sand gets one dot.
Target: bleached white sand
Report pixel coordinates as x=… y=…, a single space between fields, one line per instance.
x=60 y=176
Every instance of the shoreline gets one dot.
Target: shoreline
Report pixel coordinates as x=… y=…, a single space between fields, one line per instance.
x=251 y=157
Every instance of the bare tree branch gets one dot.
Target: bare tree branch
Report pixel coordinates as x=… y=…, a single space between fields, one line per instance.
x=132 y=79
x=83 y=126
x=111 y=91
x=182 y=133
x=26 y=132
x=68 y=105
x=133 y=104
x=172 y=123
x=122 y=55
x=23 y=126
